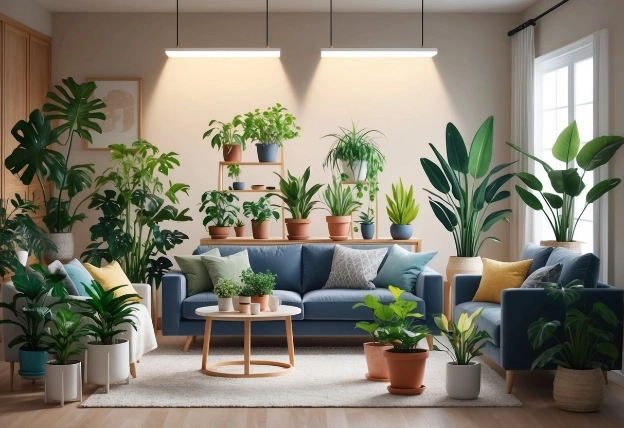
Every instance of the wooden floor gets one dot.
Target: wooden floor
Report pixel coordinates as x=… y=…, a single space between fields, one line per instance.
x=24 y=407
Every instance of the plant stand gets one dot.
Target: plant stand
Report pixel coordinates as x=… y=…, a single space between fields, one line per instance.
x=107 y=381
x=63 y=398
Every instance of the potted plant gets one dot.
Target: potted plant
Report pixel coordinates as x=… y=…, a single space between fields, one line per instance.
x=367 y=224
x=244 y=298
x=218 y=207
x=108 y=357
x=260 y=213
x=225 y=289
x=298 y=200
x=262 y=285
x=30 y=312
x=355 y=155
x=63 y=375
x=402 y=211
x=340 y=204
x=463 y=375
x=560 y=206
x=234 y=171
x=467 y=190
x=269 y=129
x=239 y=228
x=227 y=137
x=584 y=348
x=76 y=115
x=406 y=362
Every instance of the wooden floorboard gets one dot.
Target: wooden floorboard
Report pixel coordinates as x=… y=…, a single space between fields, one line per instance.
x=24 y=407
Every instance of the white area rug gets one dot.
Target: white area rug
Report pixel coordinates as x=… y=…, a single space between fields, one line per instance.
x=323 y=377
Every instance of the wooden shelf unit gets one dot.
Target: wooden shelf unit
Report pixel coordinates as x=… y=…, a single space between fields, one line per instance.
x=415 y=243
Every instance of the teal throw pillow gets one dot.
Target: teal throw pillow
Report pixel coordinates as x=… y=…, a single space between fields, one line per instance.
x=197 y=277
x=230 y=267
x=402 y=268
x=79 y=276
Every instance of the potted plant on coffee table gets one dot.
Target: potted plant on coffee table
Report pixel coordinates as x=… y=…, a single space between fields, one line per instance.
x=402 y=211
x=234 y=171
x=225 y=289
x=260 y=213
x=226 y=136
x=262 y=285
x=244 y=298
x=218 y=207
x=298 y=200
x=367 y=224
x=340 y=204
x=463 y=375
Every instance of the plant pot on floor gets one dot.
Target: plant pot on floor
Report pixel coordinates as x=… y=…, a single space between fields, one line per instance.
x=401 y=232
x=368 y=231
x=232 y=153
x=32 y=364
x=267 y=152
x=357 y=173
x=106 y=364
x=239 y=231
x=63 y=382
x=260 y=229
x=375 y=361
x=406 y=370
x=238 y=185
x=579 y=390
x=225 y=304
x=574 y=246
x=219 y=232
x=298 y=228
x=339 y=227
x=263 y=300
x=463 y=382
x=65 y=247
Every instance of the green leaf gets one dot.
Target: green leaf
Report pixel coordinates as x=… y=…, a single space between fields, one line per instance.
x=450 y=175
x=601 y=188
x=566 y=181
x=446 y=216
x=567 y=145
x=547 y=167
x=530 y=180
x=555 y=201
x=456 y=150
x=481 y=149
x=500 y=196
x=598 y=152
x=606 y=314
x=435 y=175
x=529 y=198
x=545 y=357
x=609 y=350
x=495 y=186
x=494 y=218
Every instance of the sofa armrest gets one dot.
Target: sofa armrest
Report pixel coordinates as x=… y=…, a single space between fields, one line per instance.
x=465 y=287
x=173 y=294
x=145 y=291
x=521 y=307
x=430 y=288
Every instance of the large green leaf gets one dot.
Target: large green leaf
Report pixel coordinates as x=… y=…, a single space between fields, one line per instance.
x=566 y=181
x=598 y=152
x=494 y=187
x=601 y=188
x=530 y=156
x=456 y=150
x=494 y=218
x=450 y=175
x=546 y=357
x=555 y=201
x=567 y=145
x=481 y=149
x=530 y=180
x=541 y=330
x=529 y=198
x=435 y=175
x=446 y=216
x=606 y=313
x=79 y=178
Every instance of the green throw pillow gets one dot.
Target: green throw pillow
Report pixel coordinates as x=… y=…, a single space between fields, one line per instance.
x=197 y=278
x=226 y=267
x=402 y=268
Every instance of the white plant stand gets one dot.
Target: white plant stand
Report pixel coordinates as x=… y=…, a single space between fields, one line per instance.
x=110 y=364
x=61 y=380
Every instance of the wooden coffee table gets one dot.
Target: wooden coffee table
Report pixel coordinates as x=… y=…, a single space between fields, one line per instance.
x=212 y=313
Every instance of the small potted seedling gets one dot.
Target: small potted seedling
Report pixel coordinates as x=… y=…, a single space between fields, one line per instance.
x=234 y=171
x=367 y=224
x=239 y=228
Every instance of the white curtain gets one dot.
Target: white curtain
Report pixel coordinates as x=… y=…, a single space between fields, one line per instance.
x=522 y=105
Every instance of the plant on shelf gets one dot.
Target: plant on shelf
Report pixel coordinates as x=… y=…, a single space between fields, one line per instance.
x=561 y=207
x=131 y=199
x=220 y=210
x=402 y=211
x=226 y=137
x=298 y=202
x=225 y=289
x=583 y=349
x=340 y=203
x=463 y=375
x=355 y=155
x=262 y=285
x=239 y=228
x=260 y=213
x=234 y=172
x=467 y=190
x=367 y=223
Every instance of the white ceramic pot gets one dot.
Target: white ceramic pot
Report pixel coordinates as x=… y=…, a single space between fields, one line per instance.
x=244 y=303
x=463 y=382
x=357 y=173
x=63 y=382
x=235 y=305
x=274 y=303
x=225 y=304
x=574 y=246
x=22 y=256
x=106 y=364
x=65 y=247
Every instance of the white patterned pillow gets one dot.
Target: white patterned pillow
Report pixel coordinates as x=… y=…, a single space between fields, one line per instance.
x=354 y=269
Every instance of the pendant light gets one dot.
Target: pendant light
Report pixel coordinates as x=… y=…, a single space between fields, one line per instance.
x=421 y=52
x=265 y=52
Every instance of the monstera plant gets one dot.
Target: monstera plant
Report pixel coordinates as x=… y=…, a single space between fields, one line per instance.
x=129 y=195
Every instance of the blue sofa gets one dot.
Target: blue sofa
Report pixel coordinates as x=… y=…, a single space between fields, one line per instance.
x=509 y=321
x=302 y=271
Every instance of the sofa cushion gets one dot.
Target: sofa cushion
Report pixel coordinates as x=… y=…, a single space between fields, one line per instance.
x=208 y=298
x=585 y=267
x=538 y=254
x=282 y=260
x=499 y=276
x=337 y=304
x=197 y=276
x=354 y=269
x=112 y=276
x=490 y=319
x=79 y=275
x=226 y=267
x=546 y=274
x=402 y=268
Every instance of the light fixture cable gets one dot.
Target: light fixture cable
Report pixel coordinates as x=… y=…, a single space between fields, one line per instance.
x=331 y=23
x=177 y=23
x=267 y=24
x=422 y=24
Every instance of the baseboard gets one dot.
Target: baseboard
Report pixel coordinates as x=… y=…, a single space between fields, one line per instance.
x=616 y=377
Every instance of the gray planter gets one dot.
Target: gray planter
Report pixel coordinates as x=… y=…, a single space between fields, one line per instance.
x=401 y=231
x=238 y=185
x=267 y=152
x=65 y=245
x=368 y=230
x=463 y=382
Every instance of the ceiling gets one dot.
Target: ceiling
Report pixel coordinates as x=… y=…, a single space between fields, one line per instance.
x=498 y=6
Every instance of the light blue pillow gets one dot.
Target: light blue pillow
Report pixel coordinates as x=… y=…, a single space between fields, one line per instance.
x=402 y=268
x=79 y=275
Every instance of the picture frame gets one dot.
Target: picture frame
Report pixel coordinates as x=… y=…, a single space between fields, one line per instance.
x=124 y=104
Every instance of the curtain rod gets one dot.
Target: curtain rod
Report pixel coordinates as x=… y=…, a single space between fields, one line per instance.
x=532 y=22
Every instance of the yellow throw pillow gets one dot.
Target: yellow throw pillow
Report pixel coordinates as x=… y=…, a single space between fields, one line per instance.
x=111 y=276
x=498 y=276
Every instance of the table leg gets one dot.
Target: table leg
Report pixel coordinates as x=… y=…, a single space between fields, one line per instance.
x=289 y=340
x=206 y=342
x=247 y=345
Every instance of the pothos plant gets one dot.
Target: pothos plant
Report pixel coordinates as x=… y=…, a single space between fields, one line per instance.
x=131 y=198
x=225 y=134
x=219 y=208
x=272 y=126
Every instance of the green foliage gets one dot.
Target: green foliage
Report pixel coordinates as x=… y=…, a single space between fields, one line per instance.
x=107 y=313
x=77 y=115
x=129 y=195
x=466 y=188
x=260 y=211
x=585 y=335
x=226 y=134
x=339 y=199
x=260 y=283
x=367 y=217
x=239 y=223
x=226 y=287
x=402 y=208
x=234 y=171
x=63 y=340
x=246 y=291
x=272 y=126
x=296 y=196
x=219 y=208
x=465 y=337
x=559 y=207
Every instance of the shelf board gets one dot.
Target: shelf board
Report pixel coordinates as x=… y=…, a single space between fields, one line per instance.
x=249 y=163
x=416 y=242
x=256 y=191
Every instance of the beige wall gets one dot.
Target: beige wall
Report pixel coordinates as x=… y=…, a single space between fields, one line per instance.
x=571 y=22
x=409 y=100
x=28 y=13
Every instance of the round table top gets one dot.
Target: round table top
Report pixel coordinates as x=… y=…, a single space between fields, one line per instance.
x=214 y=313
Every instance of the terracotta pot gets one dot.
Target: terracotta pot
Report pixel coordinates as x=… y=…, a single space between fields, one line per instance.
x=261 y=230
x=339 y=227
x=579 y=390
x=218 y=232
x=240 y=231
x=574 y=246
x=375 y=361
x=407 y=371
x=298 y=228
x=232 y=153
x=263 y=300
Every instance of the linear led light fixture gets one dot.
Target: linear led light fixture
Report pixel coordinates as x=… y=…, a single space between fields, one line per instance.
x=265 y=52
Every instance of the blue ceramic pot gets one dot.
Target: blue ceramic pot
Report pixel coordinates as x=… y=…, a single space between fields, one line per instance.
x=401 y=231
x=368 y=230
x=267 y=152
x=238 y=185
x=32 y=364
